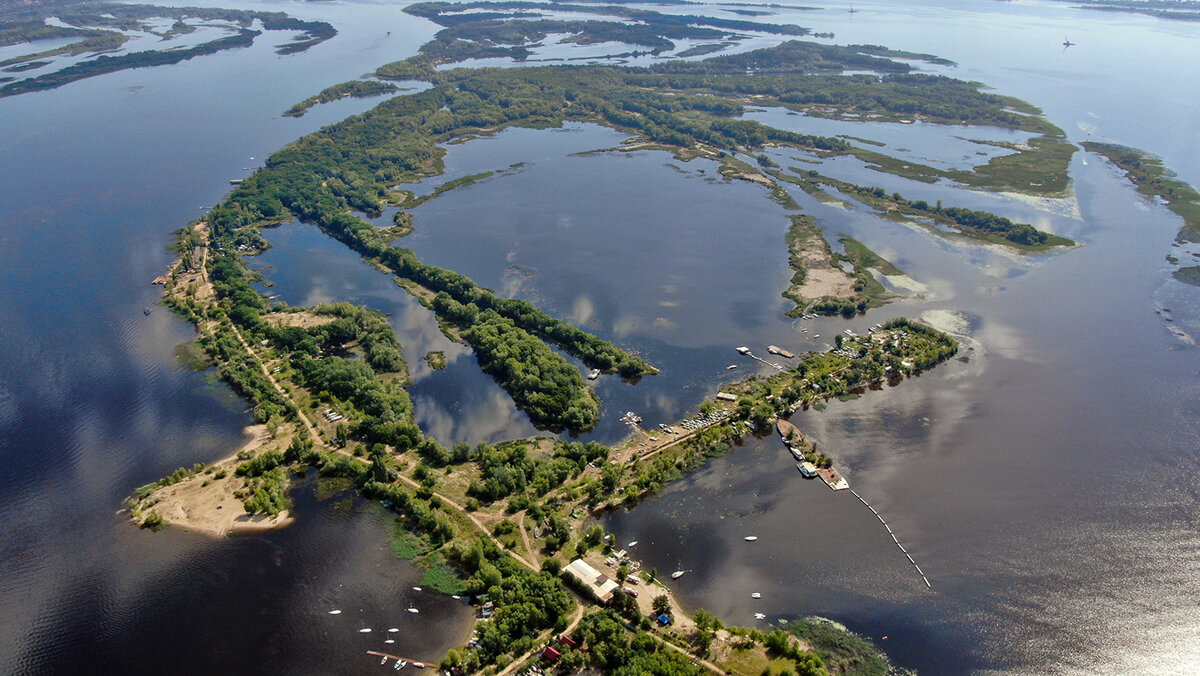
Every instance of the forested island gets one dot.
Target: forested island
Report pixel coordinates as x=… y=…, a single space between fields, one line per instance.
x=327 y=383
x=103 y=27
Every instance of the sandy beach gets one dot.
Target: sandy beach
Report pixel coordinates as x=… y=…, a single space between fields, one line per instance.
x=207 y=505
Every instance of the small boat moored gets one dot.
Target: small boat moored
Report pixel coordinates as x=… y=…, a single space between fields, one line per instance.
x=677 y=574
x=750 y=538
x=807 y=469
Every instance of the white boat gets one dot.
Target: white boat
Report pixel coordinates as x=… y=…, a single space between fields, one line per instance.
x=594 y=374
x=393 y=630
x=383 y=660
x=756 y=595
x=335 y=612
x=365 y=630
x=413 y=610
x=750 y=538
x=400 y=664
x=742 y=350
x=677 y=574
x=390 y=640
x=807 y=469
x=416 y=589
x=760 y=616
x=632 y=544
x=731 y=367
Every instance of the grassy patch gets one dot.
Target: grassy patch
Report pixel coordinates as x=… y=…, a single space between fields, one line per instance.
x=755 y=661
x=1039 y=169
x=844 y=652
x=328 y=486
x=436 y=360
x=864 y=257
x=405 y=545
x=440 y=577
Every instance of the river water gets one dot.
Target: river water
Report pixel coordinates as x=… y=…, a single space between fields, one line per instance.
x=1046 y=485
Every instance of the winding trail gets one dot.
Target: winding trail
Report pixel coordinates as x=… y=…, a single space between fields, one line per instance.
x=525 y=536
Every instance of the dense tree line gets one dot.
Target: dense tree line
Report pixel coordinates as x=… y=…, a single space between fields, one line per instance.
x=355 y=88
x=542 y=384
x=612 y=648
x=508 y=468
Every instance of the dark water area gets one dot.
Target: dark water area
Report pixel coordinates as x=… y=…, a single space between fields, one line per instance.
x=1047 y=485
x=93 y=402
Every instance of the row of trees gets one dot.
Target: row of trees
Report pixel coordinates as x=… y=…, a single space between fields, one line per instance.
x=970 y=221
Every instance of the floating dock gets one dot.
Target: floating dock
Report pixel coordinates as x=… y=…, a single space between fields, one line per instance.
x=780 y=351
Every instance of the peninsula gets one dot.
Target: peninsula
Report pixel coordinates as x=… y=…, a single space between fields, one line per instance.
x=466 y=512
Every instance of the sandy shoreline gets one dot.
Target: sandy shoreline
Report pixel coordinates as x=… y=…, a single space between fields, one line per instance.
x=213 y=509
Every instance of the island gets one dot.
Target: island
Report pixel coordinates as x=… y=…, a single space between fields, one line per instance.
x=511 y=523
x=104 y=27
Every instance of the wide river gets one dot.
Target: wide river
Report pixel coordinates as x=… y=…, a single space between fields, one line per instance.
x=1047 y=484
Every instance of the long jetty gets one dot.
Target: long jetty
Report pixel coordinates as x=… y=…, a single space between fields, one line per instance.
x=894 y=538
x=777 y=367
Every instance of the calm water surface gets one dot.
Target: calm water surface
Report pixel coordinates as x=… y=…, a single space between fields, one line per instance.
x=1046 y=484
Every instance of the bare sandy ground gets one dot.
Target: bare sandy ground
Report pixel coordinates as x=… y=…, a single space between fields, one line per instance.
x=822 y=277
x=212 y=509
x=304 y=320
